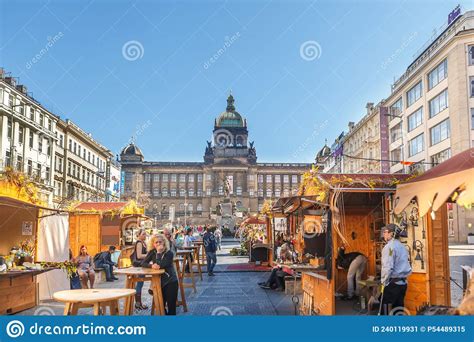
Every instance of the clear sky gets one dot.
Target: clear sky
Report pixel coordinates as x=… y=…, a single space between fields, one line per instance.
x=162 y=70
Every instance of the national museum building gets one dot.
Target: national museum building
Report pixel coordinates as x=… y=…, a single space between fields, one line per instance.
x=190 y=192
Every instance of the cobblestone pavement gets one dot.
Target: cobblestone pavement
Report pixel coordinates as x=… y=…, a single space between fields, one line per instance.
x=227 y=293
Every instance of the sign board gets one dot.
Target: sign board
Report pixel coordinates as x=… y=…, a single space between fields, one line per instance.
x=280 y=224
x=27 y=228
x=454 y=14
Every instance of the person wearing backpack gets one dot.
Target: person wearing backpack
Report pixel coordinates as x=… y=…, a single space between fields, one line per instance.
x=104 y=260
x=137 y=257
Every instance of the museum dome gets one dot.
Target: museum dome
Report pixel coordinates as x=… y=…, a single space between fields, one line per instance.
x=132 y=150
x=230 y=118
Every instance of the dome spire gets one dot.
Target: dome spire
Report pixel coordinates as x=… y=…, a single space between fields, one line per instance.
x=230 y=103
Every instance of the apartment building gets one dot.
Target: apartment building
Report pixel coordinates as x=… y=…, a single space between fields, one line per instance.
x=81 y=165
x=27 y=138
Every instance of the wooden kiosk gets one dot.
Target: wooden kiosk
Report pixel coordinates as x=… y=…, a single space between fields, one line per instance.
x=20 y=211
x=350 y=210
x=99 y=225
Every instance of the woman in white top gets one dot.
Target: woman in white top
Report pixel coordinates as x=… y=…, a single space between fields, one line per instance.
x=188 y=238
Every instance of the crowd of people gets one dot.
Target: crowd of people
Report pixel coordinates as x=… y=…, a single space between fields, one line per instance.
x=154 y=251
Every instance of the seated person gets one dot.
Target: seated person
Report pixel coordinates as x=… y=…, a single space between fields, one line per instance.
x=277 y=276
x=104 y=260
x=84 y=268
x=355 y=264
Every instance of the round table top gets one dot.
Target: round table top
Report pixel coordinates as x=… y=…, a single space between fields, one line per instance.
x=190 y=247
x=92 y=295
x=138 y=271
x=199 y=242
x=183 y=251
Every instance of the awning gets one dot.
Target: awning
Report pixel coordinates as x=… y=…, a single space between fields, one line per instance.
x=433 y=188
x=252 y=220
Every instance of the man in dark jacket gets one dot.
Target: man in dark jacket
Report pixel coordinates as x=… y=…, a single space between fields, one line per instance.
x=104 y=260
x=210 y=245
x=355 y=264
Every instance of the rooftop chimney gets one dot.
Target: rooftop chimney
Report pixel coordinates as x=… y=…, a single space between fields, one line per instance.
x=21 y=88
x=10 y=81
x=351 y=125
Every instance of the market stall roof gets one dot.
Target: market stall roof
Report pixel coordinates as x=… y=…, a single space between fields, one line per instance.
x=253 y=220
x=121 y=208
x=433 y=188
x=362 y=182
x=290 y=204
x=14 y=202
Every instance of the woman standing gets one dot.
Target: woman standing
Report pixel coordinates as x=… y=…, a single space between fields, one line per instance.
x=140 y=253
x=160 y=257
x=85 y=268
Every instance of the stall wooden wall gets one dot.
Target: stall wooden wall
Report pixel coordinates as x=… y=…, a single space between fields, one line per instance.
x=11 y=221
x=322 y=292
x=17 y=293
x=84 y=229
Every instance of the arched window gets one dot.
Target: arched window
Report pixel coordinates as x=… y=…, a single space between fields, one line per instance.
x=164 y=192
x=190 y=207
x=182 y=192
x=181 y=207
x=199 y=207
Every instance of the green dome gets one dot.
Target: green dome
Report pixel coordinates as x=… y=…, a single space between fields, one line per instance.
x=230 y=118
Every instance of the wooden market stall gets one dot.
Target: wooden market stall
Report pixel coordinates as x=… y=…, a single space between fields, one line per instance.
x=333 y=210
x=20 y=212
x=427 y=196
x=98 y=225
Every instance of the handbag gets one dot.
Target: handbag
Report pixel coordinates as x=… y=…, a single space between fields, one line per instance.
x=133 y=258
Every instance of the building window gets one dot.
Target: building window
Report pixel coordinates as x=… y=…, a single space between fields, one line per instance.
x=277 y=193
x=32 y=114
x=190 y=208
x=396 y=109
x=470 y=52
x=269 y=178
x=251 y=178
x=208 y=192
x=209 y=177
x=396 y=132
x=396 y=156
x=269 y=193
x=199 y=177
x=40 y=144
x=414 y=93
x=294 y=179
x=164 y=192
x=286 y=192
x=472 y=118
x=191 y=177
x=440 y=157
x=164 y=177
x=277 y=178
x=173 y=177
x=438 y=74
x=156 y=177
x=238 y=191
x=199 y=193
x=182 y=192
x=416 y=145
x=182 y=178
x=440 y=132
x=191 y=192
x=19 y=163
x=415 y=119
x=48 y=149
x=221 y=190
x=251 y=193
x=471 y=86
x=181 y=207
x=286 y=179
x=199 y=207
x=9 y=128
x=31 y=139
x=260 y=192
x=47 y=174
x=439 y=103
x=21 y=132
x=8 y=159
x=260 y=178
x=41 y=117
x=38 y=172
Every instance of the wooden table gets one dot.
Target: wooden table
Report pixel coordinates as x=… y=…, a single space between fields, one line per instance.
x=178 y=262
x=140 y=274
x=96 y=298
x=186 y=255
x=195 y=249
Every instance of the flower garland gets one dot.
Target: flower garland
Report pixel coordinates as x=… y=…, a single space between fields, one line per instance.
x=18 y=182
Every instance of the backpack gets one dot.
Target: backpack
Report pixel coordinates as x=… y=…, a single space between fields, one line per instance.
x=97 y=257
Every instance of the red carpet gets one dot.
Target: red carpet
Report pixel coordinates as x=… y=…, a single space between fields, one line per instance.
x=248 y=267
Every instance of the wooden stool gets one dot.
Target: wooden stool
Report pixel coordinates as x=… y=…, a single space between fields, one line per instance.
x=178 y=262
x=186 y=255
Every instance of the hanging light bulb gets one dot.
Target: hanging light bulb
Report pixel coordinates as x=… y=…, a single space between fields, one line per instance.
x=433 y=215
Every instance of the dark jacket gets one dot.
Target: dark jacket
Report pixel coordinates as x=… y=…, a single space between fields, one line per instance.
x=104 y=258
x=209 y=241
x=344 y=259
x=165 y=261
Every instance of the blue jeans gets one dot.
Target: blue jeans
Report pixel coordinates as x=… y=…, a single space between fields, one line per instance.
x=211 y=261
x=108 y=270
x=139 y=286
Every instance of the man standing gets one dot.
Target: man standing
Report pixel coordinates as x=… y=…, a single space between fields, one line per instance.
x=355 y=264
x=395 y=270
x=210 y=245
x=104 y=260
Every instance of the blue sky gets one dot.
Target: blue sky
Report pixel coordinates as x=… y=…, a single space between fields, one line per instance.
x=299 y=70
